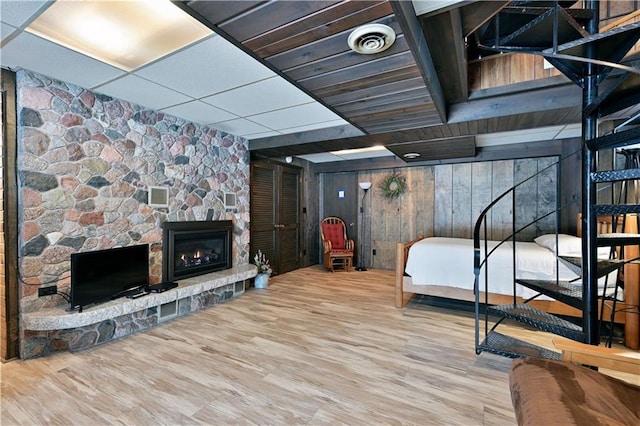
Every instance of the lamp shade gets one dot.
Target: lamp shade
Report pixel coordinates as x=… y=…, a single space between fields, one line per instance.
x=365 y=185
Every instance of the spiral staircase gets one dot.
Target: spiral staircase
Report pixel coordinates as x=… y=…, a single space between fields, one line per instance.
x=598 y=62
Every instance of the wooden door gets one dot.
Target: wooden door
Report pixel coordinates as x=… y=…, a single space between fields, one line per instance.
x=288 y=233
x=263 y=210
x=275 y=214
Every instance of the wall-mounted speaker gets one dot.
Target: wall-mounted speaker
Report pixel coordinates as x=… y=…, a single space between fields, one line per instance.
x=158 y=196
x=229 y=200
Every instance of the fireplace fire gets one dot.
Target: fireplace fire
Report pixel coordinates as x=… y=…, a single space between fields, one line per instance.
x=195 y=248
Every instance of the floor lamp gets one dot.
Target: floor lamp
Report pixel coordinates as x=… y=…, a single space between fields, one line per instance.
x=364 y=186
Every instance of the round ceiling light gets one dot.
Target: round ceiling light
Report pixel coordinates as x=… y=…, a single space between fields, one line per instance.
x=371 y=38
x=411 y=155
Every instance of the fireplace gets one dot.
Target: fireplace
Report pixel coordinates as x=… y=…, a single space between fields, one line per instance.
x=195 y=248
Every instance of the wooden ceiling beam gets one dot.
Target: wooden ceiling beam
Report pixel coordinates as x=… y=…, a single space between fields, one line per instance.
x=490 y=153
x=300 y=144
x=478 y=13
x=305 y=138
x=443 y=33
x=406 y=15
x=549 y=99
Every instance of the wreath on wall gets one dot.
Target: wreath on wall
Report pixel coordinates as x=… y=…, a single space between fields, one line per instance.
x=392 y=186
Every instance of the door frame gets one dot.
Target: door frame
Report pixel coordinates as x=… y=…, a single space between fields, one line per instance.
x=9 y=324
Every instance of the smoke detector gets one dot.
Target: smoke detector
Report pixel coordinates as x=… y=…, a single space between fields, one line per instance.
x=371 y=38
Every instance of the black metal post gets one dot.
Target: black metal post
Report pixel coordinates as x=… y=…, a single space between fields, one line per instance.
x=589 y=195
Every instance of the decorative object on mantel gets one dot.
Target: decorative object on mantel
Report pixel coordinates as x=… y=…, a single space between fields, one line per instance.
x=393 y=185
x=264 y=270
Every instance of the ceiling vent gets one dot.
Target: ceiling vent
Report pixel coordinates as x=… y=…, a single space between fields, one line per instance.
x=371 y=38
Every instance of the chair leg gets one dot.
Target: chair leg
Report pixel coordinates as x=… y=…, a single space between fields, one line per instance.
x=328 y=263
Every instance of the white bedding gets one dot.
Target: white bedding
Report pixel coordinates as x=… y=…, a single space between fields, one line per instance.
x=449 y=262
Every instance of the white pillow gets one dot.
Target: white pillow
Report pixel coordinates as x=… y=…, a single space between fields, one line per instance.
x=568 y=245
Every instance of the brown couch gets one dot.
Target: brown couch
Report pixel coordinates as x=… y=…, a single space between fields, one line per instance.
x=549 y=392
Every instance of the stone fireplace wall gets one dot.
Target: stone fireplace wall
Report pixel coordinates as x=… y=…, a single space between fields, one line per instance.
x=85 y=164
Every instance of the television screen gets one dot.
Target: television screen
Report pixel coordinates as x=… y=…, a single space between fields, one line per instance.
x=101 y=275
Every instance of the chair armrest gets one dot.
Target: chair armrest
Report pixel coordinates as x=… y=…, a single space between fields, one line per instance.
x=610 y=358
x=326 y=245
x=349 y=245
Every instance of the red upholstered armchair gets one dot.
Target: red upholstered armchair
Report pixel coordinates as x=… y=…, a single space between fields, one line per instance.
x=337 y=249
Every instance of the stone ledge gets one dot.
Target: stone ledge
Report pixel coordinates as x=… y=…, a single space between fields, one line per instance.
x=58 y=318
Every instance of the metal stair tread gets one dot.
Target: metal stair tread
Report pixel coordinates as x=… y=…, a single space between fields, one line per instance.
x=534 y=33
x=540 y=319
x=616 y=209
x=529 y=25
x=608 y=48
x=617 y=239
x=564 y=291
x=511 y=347
x=618 y=31
x=604 y=266
x=615 y=175
x=615 y=140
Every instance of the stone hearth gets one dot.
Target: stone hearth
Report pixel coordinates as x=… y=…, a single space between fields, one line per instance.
x=56 y=329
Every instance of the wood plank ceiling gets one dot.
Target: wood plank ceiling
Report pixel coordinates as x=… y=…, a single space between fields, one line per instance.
x=307 y=42
x=404 y=97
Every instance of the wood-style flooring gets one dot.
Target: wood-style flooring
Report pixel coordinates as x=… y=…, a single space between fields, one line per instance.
x=314 y=348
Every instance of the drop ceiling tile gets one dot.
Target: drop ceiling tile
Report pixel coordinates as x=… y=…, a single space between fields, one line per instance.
x=367 y=154
x=17 y=13
x=297 y=116
x=5 y=30
x=425 y=6
x=323 y=157
x=262 y=96
x=240 y=127
x=143 y=92
x=214 y=65
x=56 y=61
x=199 y=112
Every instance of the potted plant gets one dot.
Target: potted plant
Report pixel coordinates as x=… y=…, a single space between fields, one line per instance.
x=264 y=270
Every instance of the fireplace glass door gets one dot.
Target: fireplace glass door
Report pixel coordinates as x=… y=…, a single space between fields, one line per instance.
x=194 y=254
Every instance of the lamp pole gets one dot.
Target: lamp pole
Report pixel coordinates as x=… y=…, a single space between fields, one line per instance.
x=365 y=187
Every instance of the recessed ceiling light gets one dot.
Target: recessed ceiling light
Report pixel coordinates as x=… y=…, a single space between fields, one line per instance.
x=358 y=150
x=371 y=38
x=125 y=34
x=411 y=155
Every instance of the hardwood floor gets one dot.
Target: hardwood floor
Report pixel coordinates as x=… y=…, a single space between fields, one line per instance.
x=314 y=348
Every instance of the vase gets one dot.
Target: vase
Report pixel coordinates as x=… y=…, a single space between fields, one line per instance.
x=262 y=281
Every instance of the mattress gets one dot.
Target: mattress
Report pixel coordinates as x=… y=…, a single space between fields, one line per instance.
x=449 y=262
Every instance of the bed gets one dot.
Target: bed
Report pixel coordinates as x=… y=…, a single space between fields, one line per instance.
x=443 y=267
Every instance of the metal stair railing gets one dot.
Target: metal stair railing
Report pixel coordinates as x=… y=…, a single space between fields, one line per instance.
x=480 y=243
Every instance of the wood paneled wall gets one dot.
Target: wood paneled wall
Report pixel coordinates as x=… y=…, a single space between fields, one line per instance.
x=614 y=11
x=445 y=200
x=501 y=70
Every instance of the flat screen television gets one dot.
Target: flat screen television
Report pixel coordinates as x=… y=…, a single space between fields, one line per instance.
x=101 y=275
